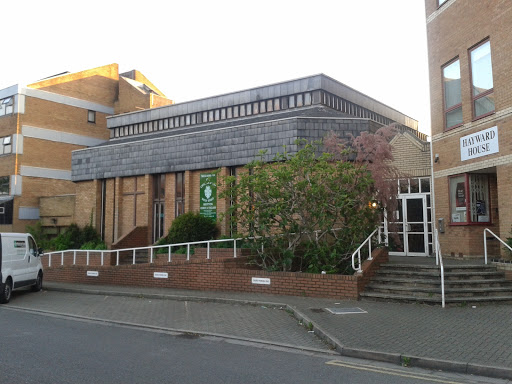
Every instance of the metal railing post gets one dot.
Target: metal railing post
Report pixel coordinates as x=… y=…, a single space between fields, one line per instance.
x=151 y=258
x=87 y=257
x=208 y=250
x=188 y=251
x=74 y=257
x=133 y=256
x=101 y=258
x=170 y=253
x=117 y=257
x=49 y=260
x=62 y=258
x=234 y=248
x=485 y=246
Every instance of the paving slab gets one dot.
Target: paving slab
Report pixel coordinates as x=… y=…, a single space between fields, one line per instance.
x=259 y=323
x=467 y=338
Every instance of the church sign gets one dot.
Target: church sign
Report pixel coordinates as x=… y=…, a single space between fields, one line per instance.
x=208 y=195
x=479 y=144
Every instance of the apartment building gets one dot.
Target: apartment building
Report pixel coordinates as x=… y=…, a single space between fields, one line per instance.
x=470 y=65
x=42 y=123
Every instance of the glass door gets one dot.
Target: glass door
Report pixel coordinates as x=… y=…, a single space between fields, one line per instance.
x=410 y=227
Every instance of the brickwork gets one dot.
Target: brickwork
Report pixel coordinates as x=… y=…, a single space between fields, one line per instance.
x=137 y=237
x=452 y=30
x=213 y=274
x=53 y=119
x=98 y=84
x=57 y=210
x=411 y=155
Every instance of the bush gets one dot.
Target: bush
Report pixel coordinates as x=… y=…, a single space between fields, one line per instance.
x=78 y=238
x=192 y=227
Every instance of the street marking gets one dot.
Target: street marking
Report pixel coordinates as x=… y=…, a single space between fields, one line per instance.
x=391 y=371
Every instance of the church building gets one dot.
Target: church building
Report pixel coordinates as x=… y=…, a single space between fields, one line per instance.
x=153 y=167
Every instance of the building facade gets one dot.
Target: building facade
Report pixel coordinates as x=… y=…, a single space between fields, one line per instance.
x=470 y=64
x=42 y=123
x=154 y=165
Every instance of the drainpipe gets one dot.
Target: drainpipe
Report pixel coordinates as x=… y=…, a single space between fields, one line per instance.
x=432 y=199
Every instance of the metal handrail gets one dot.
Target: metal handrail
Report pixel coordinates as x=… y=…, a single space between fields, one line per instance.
x=152 y=247
x=485 y=242
x=358 y=250
x=439 y=261
x=134 y=250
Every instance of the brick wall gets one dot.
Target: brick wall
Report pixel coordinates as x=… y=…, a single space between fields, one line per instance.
x=452 y=30
x=216 y=274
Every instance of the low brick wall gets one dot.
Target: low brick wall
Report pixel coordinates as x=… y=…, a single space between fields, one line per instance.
x=216 y=274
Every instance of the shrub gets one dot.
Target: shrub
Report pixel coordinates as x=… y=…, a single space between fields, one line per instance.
x=78 y=238
x=191 y=227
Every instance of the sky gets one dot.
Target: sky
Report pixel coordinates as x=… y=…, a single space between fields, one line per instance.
x=200 y=48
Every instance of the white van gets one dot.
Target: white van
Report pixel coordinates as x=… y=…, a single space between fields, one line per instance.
x=20 y=264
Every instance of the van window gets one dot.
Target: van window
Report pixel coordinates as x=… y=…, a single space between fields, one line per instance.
x=32 y=246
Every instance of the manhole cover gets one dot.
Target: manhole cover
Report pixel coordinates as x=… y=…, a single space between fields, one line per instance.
x=345 y=311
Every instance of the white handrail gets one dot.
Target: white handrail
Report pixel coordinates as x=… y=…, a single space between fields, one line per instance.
x=439 y=261
x=134 y=250
x=485 y=242
x=152 y=247
x=358 y=251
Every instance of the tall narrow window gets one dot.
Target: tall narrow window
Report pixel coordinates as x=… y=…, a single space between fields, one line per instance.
x=91 y=116
x=232 y=202
x=158 y=206
x=180 y=194
x=481 y=80
x=452 y=94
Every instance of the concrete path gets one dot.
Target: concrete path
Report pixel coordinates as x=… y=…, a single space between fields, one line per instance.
x=474 y=340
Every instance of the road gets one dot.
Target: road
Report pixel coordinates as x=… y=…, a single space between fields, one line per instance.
x=42 y=348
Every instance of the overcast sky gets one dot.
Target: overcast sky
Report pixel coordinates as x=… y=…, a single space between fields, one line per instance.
x=195 y=49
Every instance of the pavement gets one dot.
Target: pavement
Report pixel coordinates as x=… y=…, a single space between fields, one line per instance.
x=468 y=339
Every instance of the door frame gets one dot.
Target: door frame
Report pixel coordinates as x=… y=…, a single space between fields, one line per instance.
x=406 y=252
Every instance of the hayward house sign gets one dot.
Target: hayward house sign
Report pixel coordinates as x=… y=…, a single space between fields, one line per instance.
x=479 y=144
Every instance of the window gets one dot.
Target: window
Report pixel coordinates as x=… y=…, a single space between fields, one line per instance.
x=7 y=106
x=452 y=95
x=180 y=194
x=469 y=199
x=91 y=117
x=441 y=2
x=6 y=146
x=4 y=185
x=481 y=80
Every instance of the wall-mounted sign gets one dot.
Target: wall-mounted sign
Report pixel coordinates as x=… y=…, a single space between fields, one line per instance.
x=93 y=273
x=479 y=144
x=160 y=275
x=208 y=195
x=261 y=280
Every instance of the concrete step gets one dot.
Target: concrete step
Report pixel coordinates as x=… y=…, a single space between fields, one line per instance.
x=436 y=300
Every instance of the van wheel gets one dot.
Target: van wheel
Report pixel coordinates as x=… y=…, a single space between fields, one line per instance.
x=39 y=282
x=6 y=291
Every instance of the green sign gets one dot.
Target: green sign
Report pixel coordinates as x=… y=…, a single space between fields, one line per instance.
x=208 y=195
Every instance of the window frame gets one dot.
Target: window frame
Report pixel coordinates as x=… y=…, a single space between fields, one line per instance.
x=468 y=221
x=483 y=94
x=93 y=120
x=452 y=108
x=179 y=202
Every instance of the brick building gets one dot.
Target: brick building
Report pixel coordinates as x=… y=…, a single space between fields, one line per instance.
x=470 y=64
x=42 y=123
x=150 y=170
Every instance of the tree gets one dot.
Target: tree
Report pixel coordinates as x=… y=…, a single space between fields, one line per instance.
x=305 y=211
x=309 y=211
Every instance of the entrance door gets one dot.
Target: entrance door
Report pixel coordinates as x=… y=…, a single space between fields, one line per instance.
x=410 y=224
